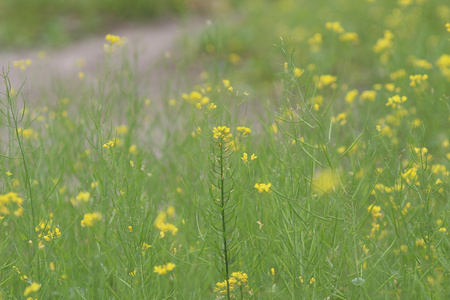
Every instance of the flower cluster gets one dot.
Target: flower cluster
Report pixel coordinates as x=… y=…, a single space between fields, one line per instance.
x=394 y=101
x=113 y=42
x=90 y=219
x=22 y=64
x=244 y=130
x=384 y=46
x=238 y=282
x=11 y=202
x=81 y=197
x=45 y=227
x=222 y=133
x=375 y=210
x=262 y=187
x=163 y=269
x=162 y=225
x=417 y=79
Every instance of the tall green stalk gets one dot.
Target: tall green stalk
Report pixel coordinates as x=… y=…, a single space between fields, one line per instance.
x=223 y=205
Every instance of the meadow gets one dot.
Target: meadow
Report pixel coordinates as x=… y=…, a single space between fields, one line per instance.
x=301 y=150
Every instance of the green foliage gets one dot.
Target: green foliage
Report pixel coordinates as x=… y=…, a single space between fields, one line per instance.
x=333 y=182
x=55 y=22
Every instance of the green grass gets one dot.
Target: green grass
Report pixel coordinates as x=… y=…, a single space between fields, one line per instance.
x=357 y=206
x=55 y=23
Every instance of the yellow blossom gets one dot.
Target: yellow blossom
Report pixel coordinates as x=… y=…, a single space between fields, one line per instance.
x=398 y=74
x=244 y=130
x=417 y=79
x=350 y=96
x=222 y=132
x=298 y=72
x=163 y=269
x=90 y=219
x=253 y=157
x=262 y=187
x=334 y=26
x=395 y=100
x=325 y=80
x=244 y=157
x=349 y=37
x=315 y=42
x=33 y=287
x=83 y=196
x=369 y=95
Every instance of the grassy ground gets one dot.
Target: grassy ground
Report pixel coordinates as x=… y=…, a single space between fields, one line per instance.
x=309 y=167
x=55 y=23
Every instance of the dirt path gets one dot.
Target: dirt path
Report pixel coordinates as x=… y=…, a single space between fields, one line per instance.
x=151 y=41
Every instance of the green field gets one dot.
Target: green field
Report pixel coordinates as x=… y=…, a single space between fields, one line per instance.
x=305 y=156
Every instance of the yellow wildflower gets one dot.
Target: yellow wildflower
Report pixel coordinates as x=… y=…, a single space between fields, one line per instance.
x=334 y=26
x=262 y=187
x=350 y=96
x=349 y=37
x=90 y=219
x=163 y=269
x=369 y=95
x=33 y=287
x=222 y=132
x=245 y=130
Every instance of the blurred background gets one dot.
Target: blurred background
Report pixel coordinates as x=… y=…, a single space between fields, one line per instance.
x=56 y=22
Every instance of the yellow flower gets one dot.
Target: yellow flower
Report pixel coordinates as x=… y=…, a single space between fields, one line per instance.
x=244 y=157
x=253 y=157
x=226 y=83
x=384 y=44
x=395 y=100
x=133 y=149
x=325 y=80
x=315 y=42
x=369 y=95
x=109 y=144
x=90 y=219
x=375 y=211
x=349 y=37
x=262 y=187
x=350 y=97
x=417 y=79
x=298 y=72
x=245 y=130
x=83 y=196
x=163 y=269
x=334 y=26
x=146 y=246
x=221 y=132
x=397 y=74
x=22 y=64
x=34 y=287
